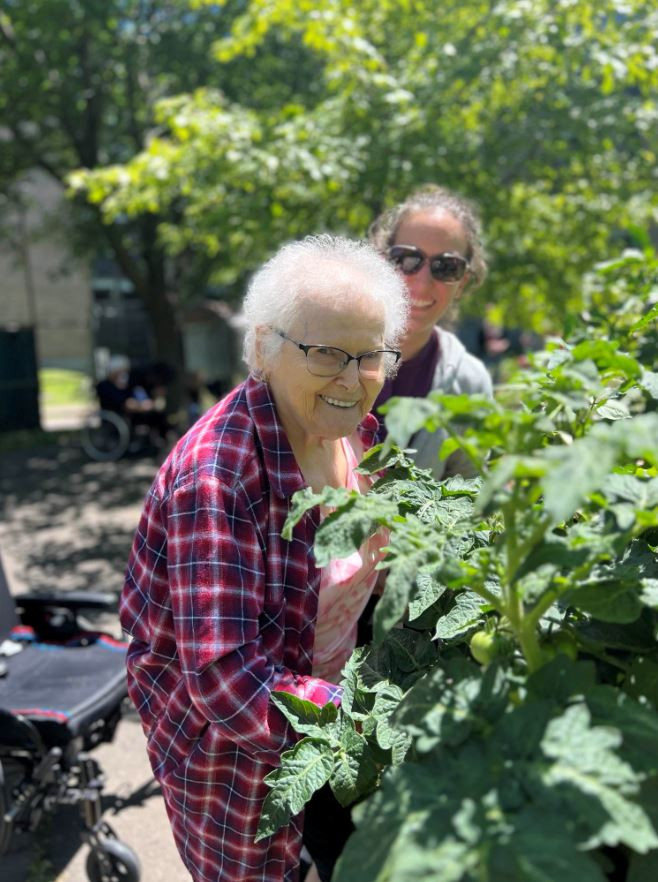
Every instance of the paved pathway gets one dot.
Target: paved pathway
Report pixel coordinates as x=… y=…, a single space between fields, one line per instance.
x=67 y=523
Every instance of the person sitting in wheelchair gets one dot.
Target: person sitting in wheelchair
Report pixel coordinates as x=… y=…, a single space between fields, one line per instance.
x=116 y=393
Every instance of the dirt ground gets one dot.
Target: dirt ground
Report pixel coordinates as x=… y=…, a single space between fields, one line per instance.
x=67 y=523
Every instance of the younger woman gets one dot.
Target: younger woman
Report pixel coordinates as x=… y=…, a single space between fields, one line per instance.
x=434 y=239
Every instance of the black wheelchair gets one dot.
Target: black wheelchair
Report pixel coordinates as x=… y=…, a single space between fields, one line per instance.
x=61 y=694
x=106 y=436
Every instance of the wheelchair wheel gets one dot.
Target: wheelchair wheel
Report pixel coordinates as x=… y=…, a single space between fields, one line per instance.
x=105 y=437
x=113 y=861
x=12 y=775
x=5 y=802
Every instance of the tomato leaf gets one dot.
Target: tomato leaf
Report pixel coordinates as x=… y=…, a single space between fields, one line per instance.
x=303 y=770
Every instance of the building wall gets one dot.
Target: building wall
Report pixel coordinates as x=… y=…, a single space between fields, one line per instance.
x=41 y=285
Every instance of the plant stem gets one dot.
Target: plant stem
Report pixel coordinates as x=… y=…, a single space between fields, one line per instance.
x=543 y=604
x=530 y=646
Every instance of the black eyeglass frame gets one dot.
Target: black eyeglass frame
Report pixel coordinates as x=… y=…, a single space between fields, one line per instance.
x=434 y=260
x=305 y=347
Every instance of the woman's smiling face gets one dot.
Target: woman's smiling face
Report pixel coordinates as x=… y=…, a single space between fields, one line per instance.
x=434 y=231
x=327 y=408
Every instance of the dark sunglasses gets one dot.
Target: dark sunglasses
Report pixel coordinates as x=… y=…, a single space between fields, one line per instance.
x=445 y=267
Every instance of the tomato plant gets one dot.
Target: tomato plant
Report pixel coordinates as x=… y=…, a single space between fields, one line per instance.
x=541 y=760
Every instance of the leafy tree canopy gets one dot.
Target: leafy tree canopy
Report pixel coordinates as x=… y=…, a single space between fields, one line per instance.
x=541 y=111
x=80 y=84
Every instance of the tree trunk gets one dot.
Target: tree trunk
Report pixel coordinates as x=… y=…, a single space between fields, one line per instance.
x=148 y=276
x=169 y=349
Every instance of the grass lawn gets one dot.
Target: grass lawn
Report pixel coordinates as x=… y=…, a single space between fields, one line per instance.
x=63 y=387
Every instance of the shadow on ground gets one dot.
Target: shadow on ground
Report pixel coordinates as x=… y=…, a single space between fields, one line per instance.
x=66 y=522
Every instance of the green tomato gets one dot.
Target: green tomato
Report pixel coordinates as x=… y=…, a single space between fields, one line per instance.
x=484 y=646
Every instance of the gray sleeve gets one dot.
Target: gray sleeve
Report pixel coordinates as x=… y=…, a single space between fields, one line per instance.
x=470 y=378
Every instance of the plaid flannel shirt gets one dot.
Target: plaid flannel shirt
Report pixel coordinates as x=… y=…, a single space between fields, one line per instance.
x=221 y=611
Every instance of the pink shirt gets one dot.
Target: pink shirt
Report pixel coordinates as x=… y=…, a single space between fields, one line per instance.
x=345 y=588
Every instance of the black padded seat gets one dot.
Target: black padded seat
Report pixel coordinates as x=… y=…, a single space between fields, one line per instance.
x=64 y=690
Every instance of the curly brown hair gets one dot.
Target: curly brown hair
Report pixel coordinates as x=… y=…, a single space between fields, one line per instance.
x=381 y=232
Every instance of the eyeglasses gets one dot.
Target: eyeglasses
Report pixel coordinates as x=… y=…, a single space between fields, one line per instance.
x=329 y=361
x=445 y=267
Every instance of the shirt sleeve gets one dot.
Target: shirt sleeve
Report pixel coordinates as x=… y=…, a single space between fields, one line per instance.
x=217 y=579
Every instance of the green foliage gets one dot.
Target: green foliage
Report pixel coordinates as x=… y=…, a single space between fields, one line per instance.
x=540 y=761
x=206 y=133
x=541 y=111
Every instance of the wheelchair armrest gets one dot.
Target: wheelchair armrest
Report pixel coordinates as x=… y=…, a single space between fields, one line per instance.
x=54 y=616
x=72 y=600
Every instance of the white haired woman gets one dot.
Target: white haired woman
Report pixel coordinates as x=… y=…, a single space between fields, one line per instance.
x=221 y=610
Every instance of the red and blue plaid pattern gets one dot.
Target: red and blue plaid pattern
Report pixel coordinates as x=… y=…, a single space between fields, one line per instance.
x=221 y=611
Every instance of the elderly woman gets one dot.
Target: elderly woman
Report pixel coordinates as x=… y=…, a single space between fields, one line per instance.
x=221 y=610
x=434 y=238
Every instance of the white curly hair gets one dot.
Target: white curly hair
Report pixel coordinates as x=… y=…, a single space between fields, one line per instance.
x=313 y=268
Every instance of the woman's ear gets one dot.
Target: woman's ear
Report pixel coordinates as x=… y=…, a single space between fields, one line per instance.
x=260 y=350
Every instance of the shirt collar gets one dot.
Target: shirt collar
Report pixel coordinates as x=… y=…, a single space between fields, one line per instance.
x=280 y=464
x=283 y=472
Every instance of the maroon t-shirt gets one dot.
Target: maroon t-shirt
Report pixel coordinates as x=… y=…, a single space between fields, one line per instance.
x=413 y=379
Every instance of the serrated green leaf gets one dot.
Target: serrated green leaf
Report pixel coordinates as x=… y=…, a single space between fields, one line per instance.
x=306 y=499
x=411 y=547
x=393 y=603
x=636 y=436
x=355 y=772
x=446 y=705
x=584 y=758
x=575 y=472
x=637 y=723
x=376 y=459
x=305 y=716
x=613 y=410
x=303 y=770
x=646 y=320
x=328 y=713
x=554 y=552
x=609 y=601
x=344 y=531
x=624 y=514
x=562 y=678
x=405 y=416
x=388 y=736
x=464 y=615
x=350 y=679
x=642 y=492
x=459 y=486
x=394 y=827
x=539 y=848
x=636 y=637
x=403 y=652
x=519 y=732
